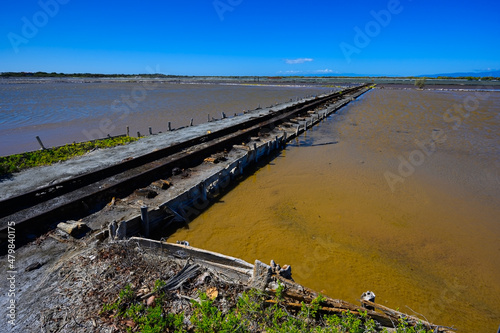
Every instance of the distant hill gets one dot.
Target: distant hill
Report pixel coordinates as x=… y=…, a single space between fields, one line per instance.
x=466 y=74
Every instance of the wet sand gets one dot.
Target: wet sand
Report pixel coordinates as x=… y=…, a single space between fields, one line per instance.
x=333 y=207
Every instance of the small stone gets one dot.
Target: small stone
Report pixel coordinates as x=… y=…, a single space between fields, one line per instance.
x=212 y=293
x=368 y=296
x=73 y=228
x=151 y=301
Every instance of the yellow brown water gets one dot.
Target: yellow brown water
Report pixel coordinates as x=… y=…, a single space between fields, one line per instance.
x=332 y=206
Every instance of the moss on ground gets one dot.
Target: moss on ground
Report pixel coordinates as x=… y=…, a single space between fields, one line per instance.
x=18 y=162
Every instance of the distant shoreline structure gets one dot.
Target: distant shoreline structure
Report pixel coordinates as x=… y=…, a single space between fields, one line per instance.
x=484 y=76
x=290 y=81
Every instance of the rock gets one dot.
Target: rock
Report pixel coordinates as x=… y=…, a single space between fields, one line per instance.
x=150 y=301
x=73 y=228
x=285 y=272
x=368 y=296
x=145 y=192
x=176 y=171
x=212 y=293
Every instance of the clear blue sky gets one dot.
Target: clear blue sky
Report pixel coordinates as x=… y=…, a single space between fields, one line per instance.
x=250 y=37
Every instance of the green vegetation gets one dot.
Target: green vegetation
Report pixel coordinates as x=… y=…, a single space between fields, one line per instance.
x=18 y=162
x=420 y=83
x=147 y=319
x=252 y=312
x=90 y=75
x=469 y=78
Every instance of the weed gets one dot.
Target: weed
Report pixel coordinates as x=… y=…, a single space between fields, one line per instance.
x=15 y=163
x=250 y=314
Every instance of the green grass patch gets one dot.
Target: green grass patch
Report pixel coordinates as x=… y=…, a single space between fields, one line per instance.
x=250 y=313
x=15 y=163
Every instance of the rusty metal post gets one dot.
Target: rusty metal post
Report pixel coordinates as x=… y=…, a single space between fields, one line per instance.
x=40 y=142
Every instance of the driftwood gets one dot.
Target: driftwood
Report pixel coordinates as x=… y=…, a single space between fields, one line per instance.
x=410 y=319
x=331 y=305
x=175 y=282
x=294 y=293
x=297 y=290
x=388 y=318
x=73 y=228
x=299 y=306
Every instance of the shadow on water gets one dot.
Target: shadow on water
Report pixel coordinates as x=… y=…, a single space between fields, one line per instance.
x=324 y=144
x=310 y=142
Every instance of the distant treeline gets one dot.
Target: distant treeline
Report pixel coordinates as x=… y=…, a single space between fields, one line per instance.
x=274 y=78
x=54 y=74
x=470 y=78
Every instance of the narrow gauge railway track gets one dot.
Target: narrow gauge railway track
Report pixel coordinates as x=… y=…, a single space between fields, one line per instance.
x=35 y=211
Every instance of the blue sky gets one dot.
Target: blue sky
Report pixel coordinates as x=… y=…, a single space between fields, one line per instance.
x=250 y=37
